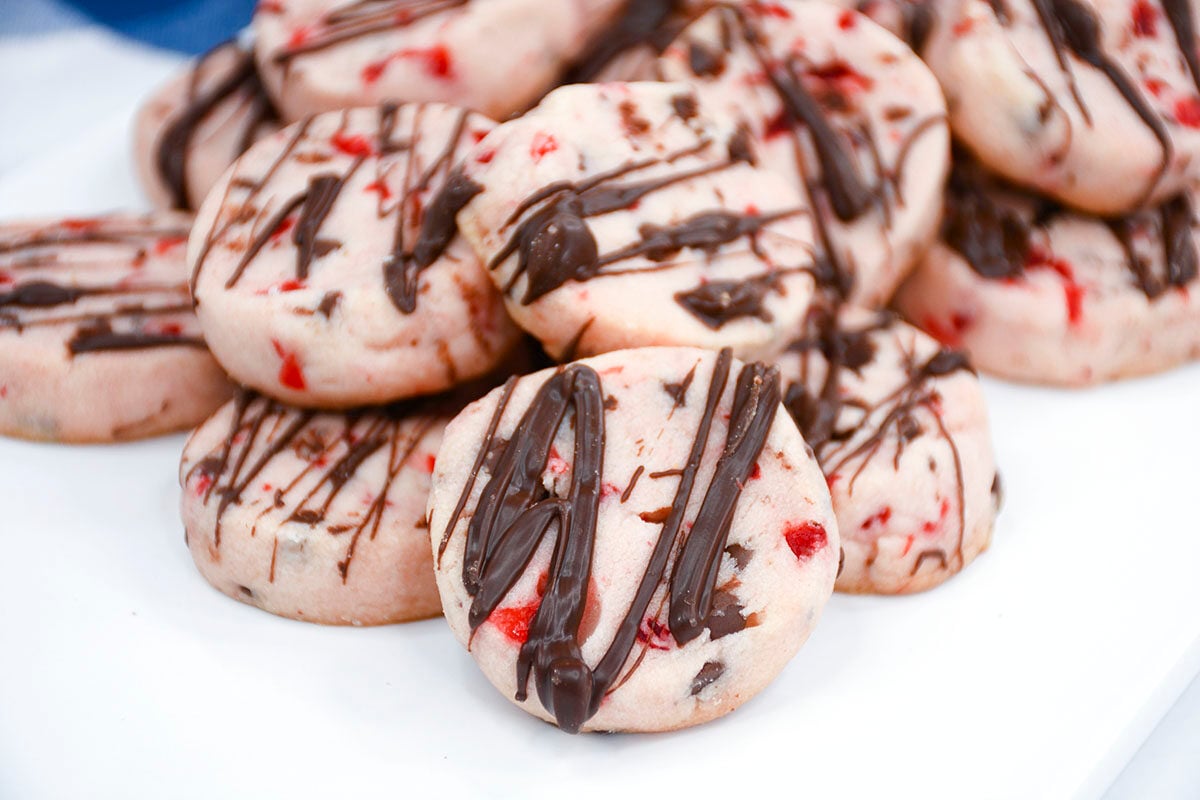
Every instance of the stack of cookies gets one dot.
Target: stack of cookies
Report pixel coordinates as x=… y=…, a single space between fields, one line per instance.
x=569 y=321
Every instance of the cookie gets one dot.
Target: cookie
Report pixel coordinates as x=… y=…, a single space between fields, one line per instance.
x=634 y=542
x=619 y=215
x=1041 y=294
x=315 y=516
x=910 y=20
x=98 y=342
x=899 y=426
x=628 y=48
x=192 y=129
x=1095 y=103
x=842 y=108
x=325 y=277
x=494 y=56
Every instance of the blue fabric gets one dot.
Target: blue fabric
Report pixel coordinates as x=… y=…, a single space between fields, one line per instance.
x=189 y=26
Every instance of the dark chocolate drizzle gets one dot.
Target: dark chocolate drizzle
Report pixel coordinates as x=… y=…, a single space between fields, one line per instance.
x=555 y=245
x=240 y=84
x=121 y=323
x=515 y=512
x=435 y=226
x=642 y=23
x=363 y=18
x=835 y=186
x=1073 y=27
x=717 y=303
x=1183 y=25
x=832 y=421
x=333 y=448
x=985 y=223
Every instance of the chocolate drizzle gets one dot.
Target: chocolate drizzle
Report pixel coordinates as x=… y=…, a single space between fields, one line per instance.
x=421 y=235
x=641 y=23
x=988 y=225
x=843 y=429
x=835 y=185
x=1179 y=16
x=240 y=84
x=332 y=448
x=1071 y=26
x=363 y=18
x=515 y=512
x=554 y=243
x=110 y=309
x=717 y=303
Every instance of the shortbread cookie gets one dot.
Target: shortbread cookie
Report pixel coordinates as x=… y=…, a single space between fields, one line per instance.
x=1040 y=294
x=315 y=516
x=634 y=542
x=325 y=276
x=193 y=128
x=494 y=56
x=619 y=215
x=1092 y=102
x=98 y=342
x=846 y=111
x=900 y=428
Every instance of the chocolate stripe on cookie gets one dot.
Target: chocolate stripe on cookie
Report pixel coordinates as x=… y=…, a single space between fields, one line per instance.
x=515 y=513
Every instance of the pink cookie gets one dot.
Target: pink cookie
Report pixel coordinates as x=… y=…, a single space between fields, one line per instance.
x=193 y=128
x=900 y=428
x=98 y=342
x=1092 y=102
x=844 y=109
x=324 y=277
x=494 y=56
x=619 y=215
x=1040 y=294
x=317 y=517
x=634 y=542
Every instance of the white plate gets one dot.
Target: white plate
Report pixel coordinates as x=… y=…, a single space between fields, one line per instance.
x=1036 y=673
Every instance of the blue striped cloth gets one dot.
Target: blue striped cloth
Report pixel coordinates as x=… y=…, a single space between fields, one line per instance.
x=188 y=26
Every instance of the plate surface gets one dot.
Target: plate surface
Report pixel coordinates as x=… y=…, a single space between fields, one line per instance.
x=1035 y=673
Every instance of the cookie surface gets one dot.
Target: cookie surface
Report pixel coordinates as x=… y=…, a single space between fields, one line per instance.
x=1095 y=103
x=638 y=541
x=627 y=48
x=318 y=517
x=618 y=215
x=1037 y=293
x=494 y=56
x=324 y=278
x=98 y=341
x=844 y=110
x=189 y=131
x=900 y=428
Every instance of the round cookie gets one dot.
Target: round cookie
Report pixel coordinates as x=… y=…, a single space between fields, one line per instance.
x=900 y=428
x=325 y=277
x=619 y=215
x=192 y=129
x=1095 y=103
x=494 y=56
x=98 y=342
x=634 y=542
x=315 y=516
x=842 y=108
x=1041 y=294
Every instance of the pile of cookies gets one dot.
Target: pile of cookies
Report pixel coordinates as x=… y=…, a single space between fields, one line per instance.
x=583 y=340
